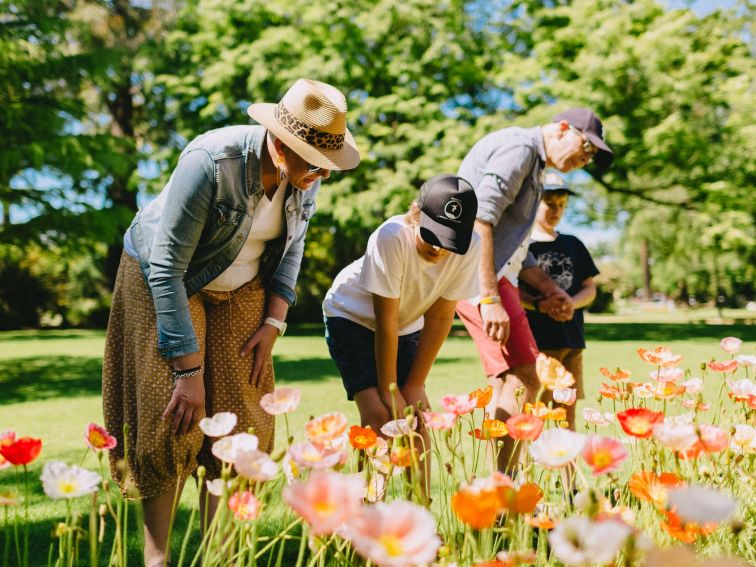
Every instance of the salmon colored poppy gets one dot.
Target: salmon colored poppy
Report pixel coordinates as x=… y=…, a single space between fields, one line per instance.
x=401 y=456
x=603 y=454
x=491 y=429
x=524 y=427
x=21 y=451
x=482 y=396
x=653 y=488
x=244 y=505
x=617 y=376
x=665 y=390
x=521 y=500
x=326 y=427
x=725 y=367
x=541 y=522
x=552 y=373
x=476 y=507
x=711 y=439
x=610 y=391
x=362 y=437
x=660 y=356
x=639 y=422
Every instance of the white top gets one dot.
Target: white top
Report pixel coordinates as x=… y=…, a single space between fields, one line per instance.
x=512 y=268
x=392 y=267
x=267 y=224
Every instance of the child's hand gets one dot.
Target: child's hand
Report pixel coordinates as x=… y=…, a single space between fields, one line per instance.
x=394 y=402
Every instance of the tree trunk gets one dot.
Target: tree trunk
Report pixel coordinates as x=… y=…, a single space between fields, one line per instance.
x=646 y=265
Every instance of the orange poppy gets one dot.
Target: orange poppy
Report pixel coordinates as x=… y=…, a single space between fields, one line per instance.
x=650 y=487
x=476 y=508
x=491 y=429
x=541 y=522
x=686 y=532
x=401 y=456
x=482 y=396
x=660 y=356
x=539 y=409
x=362 y=437
x=610 y=391
x=617 y=376
x=666 y=390
x=522 y=500
x=639 y=422
x=524 y=427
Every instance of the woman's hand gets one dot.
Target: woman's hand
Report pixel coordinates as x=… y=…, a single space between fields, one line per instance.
x=262 y=343
x=187 y=405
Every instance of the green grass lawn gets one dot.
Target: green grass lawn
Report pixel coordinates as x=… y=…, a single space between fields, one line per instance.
x=50 y=384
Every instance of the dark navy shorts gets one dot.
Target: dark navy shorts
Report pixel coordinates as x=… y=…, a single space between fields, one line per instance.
x=352 y=348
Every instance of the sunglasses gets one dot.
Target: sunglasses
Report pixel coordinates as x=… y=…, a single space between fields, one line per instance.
x=312 y=168
x=589 y=149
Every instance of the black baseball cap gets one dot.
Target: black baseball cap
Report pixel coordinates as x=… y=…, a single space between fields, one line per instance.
x=589 y=124
x=448 y=207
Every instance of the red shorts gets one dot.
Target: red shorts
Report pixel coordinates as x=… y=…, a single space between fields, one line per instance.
x=519 y=349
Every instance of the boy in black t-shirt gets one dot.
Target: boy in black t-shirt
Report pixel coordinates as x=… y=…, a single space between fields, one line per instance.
x=558 y=330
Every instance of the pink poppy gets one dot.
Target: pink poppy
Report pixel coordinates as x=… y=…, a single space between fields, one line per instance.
x=728 y=366
x=741 y=390
x=281 y=400
x=676 y=436
x=730 y=345
x=438 y=420
x=694 y=404
x=244 y=505
x=603 y=454
x=98 y=439
x=713 y=439
x=692 y=386
x=524 y=427
x=458 y=405
x=667 y=374
x=327 y=500
x=395 y=534
x=310 y=455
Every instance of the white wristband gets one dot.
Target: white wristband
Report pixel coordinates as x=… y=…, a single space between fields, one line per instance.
x=273 y=322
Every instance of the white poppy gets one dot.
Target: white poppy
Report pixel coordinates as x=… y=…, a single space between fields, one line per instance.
x=398 y=427
x=566 y=396
x=255 y=465
x=61 y=481
x=577 y=541
x=676 y=436
x=597 y=418
x=219 y=425
x=228 y=448
x=701 y=504
x=556 y=448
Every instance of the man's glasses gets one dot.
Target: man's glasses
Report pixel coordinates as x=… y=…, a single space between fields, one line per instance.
x=589 y=149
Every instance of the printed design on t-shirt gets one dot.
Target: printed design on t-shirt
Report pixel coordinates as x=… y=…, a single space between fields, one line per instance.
x=558 y=266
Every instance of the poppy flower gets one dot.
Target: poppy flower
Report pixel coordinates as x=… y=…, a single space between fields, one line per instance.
x=741 y=390
x=521 y=500
x=21 y=451
x=597 y=418
x=556 y=448
x=650 y=487
x=440 y=421
x=98 y=439
x=326 y=427
x=401 y=456
x=481 y=396
x=524 y=427
x=541 y=410
x=491 y=429
x=552 y=373
x=362 y=437
x=62 y=481
x=7 y=437
x=327 y=500
x=458 y=405
x=639 y=422
x=220 y=424
x=541 y=522
x=617 y=376
x=281 y=400
x=660 y=356
x=730 y=345
x=309 y=455
x=726 y=367
x=603 y=454
x=244 y=505
x=476 y=507
x=686 y=532
x=610 y=391
x=566 y=396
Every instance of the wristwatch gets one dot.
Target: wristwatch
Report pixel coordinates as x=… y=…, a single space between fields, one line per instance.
x=273 y=322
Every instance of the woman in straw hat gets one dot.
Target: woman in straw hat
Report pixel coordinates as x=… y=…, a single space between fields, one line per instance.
x=203 y=288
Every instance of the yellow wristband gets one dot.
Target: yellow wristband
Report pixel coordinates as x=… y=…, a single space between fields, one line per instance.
x=490 y=299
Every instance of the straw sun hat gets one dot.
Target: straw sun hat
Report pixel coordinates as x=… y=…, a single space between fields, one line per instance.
x=311 y=120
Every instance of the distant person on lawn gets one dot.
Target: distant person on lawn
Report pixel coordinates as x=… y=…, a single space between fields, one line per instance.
x=388 y=313
x=566 y=260
x=506 y=169
x=203 y=289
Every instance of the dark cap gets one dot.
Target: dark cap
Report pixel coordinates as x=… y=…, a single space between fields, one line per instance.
x=556 y=184
x=448 y=207
x=589 y=124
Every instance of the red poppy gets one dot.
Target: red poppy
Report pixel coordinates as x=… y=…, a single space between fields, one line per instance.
x=362 y=437
x=22 y=451
x=639 y=422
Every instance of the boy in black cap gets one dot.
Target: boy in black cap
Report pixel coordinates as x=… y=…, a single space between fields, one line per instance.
x=388 y=313
x=506 y=169
x=567 y=261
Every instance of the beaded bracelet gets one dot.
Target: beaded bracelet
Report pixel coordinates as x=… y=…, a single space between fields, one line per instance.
x=188 y=373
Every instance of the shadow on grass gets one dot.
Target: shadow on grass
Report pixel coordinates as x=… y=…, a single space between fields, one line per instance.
x=45 y=377
x=661 y=332
x=51 y=335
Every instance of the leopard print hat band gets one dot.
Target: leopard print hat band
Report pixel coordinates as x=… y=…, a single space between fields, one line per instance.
x=309 y=134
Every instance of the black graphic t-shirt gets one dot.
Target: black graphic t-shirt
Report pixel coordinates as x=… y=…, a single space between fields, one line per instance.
x=567 y=261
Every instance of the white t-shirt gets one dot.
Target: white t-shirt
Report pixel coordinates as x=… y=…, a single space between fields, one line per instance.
x=267 y=224
x=392 y=267
x=512 y=268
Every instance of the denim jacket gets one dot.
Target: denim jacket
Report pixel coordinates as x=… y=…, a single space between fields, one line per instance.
x=506 y=170
x=198 y=224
